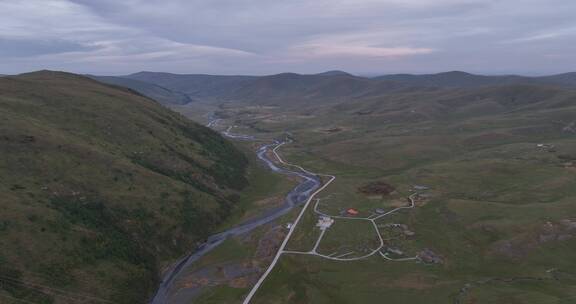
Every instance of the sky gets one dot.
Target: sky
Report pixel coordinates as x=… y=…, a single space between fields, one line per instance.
x=366 y=37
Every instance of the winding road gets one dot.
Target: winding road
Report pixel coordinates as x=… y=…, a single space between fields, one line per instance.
x=282 y=250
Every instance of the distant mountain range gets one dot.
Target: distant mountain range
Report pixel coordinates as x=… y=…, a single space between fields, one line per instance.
x=292 y=88
x=156 y=92
x=463 y=79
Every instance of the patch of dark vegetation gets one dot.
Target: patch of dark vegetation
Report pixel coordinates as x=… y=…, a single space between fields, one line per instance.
x=109 y=240
x=229 y=163
x=185 y=176
x=567 y=157
x=20 y=139
x=13 y=283
x=377 y=188
x=196 y=221
x=56 y=273
x=254 y=126
x=17 y=187
x=4 y=225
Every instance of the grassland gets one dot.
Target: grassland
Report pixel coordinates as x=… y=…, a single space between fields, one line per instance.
x=498 y=211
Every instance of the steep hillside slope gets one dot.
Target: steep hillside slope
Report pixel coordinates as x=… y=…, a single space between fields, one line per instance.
x=100 y=187
x=156 y=92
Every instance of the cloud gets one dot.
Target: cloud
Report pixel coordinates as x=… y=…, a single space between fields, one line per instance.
x=324 y=50
x=10 y=47
x=142 y=49
x=54 y=31
x=537 y=37
x=269 y=36
x=52 y=19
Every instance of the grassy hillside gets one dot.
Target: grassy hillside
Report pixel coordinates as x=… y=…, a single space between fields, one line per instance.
x=456 y=103
x=101 y=188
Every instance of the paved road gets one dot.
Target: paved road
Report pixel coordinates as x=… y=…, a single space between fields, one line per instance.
x=287 y=238
x=300 y=194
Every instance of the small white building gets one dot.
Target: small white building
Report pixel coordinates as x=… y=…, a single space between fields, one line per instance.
x=324 y=222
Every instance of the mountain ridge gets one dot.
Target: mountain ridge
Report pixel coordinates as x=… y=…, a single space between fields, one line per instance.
x=156 y=92
x=330 y=86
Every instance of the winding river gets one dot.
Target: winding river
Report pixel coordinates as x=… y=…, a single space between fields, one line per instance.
x=295 y=197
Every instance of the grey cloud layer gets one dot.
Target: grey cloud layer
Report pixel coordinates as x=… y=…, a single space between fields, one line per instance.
x=268 y=36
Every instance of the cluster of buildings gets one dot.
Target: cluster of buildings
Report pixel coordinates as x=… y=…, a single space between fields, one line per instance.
x=324 y=222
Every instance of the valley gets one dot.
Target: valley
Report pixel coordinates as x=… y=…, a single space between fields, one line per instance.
x=288 y=152
x=491 y=191
x=455 y=194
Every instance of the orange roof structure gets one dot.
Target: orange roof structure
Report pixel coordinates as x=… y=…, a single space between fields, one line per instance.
x=352 y=211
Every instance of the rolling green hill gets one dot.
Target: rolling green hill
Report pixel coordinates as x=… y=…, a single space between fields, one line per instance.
x=458 y=79
x=101 y=188
x=458 y=103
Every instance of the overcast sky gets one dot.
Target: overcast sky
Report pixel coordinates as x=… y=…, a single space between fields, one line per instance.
x=271 y=36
